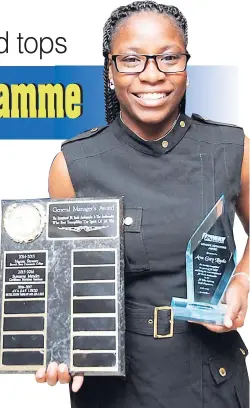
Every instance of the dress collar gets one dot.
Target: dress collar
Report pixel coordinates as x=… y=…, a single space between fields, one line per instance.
x=157 y=147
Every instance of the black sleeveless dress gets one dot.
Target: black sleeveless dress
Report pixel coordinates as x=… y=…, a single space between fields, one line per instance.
x=169 y=186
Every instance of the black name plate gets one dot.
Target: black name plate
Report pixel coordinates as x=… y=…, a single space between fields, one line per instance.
x=83 y=220
x=62 y=285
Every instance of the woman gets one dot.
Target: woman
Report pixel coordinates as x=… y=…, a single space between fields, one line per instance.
x=171 y=169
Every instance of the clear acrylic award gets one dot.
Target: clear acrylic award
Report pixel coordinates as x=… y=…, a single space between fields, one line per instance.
x=210 y=263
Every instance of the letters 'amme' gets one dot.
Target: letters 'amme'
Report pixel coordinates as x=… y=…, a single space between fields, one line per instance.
x=40 y=101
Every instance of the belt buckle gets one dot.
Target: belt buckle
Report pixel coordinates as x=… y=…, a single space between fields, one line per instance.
x=171 y=321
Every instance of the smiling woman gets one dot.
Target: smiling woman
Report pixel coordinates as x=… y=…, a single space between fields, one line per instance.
x=171 y=170
x=163 y=44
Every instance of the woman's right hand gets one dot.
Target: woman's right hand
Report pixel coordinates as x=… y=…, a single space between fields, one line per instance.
x=58 y=373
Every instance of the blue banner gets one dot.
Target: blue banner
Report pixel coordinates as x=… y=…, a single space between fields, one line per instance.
x=207 y=95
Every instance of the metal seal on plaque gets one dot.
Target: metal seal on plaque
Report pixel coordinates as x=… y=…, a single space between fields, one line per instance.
x=24 y=222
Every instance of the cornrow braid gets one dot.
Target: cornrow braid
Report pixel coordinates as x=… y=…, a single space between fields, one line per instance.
x=112 y=106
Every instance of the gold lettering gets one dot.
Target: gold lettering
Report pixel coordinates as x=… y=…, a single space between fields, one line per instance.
x=51 y=98
x=73 y=98
x=23 y=101
x=40 y=101
x=4 y=101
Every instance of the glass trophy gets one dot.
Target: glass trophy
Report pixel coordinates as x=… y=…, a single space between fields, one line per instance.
x=210 y=263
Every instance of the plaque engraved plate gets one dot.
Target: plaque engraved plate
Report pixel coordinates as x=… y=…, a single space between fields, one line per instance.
x=62 y=285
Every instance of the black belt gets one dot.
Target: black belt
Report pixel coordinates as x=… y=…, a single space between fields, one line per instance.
x=153 y=321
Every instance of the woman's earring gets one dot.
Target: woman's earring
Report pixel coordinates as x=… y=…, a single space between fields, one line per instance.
x=111 y=85
x=187 y=83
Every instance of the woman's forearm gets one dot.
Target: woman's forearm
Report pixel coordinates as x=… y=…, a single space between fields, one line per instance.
x=244 y=264
x=242 y=270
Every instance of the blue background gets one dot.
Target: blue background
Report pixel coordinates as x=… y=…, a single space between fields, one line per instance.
x=212 y=93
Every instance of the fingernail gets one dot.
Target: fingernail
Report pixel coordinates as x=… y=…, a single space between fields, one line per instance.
x=77 y=383
x=228 y=322
x=40 y=373
x=61 y=368
x=74 y=387
x=51 y=367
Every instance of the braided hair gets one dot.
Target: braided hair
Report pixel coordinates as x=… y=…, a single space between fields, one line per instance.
x=112 y=105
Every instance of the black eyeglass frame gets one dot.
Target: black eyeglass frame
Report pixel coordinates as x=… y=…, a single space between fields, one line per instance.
x=153 y=56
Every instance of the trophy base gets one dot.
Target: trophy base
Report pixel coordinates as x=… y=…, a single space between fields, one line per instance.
x=198 y=312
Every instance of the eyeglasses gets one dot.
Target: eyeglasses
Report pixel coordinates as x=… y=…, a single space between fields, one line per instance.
x=136 y=63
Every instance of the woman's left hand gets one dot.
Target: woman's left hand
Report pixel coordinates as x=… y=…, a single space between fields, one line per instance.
x=236 y=298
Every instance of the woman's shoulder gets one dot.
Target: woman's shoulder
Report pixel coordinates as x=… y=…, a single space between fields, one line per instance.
x=86 y=134
x=200 y=119
x=215 y=132
x=89 y=143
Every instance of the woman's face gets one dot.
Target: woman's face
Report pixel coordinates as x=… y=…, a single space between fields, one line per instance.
x=148 y=33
